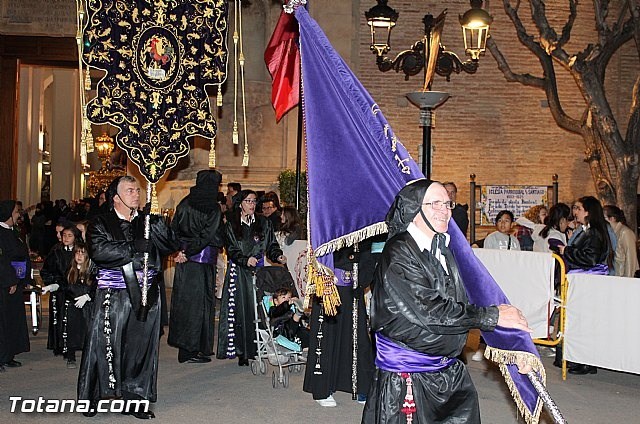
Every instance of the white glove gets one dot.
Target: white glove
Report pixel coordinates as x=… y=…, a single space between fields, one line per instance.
x=50 y=288
x=81 y=300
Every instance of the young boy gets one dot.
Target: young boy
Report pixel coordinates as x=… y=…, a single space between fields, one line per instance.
x=502 y=238
x=285 y=321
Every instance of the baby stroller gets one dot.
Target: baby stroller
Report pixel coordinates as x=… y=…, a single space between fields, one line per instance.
x=277 y=351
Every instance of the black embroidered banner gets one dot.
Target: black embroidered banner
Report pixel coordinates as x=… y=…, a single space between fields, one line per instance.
x=159 y=56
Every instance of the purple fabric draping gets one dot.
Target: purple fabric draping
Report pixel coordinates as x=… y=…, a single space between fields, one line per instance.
x=349 y=145
x=208 y=255
x=114 y=279
x=356 y=166
x=394 y=358
x=600 y=269
x=21 y=269
x=483 y=290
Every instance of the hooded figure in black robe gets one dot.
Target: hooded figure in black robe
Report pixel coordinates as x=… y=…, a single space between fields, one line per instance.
x=197 y=223
x=420 y=311
x=120 y=356
x=15 y=272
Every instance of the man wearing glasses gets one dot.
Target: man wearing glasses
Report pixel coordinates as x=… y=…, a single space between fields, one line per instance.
x=421 y=315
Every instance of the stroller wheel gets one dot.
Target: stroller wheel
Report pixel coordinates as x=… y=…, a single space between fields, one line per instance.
x=263 y=366
x=285 y=379
x=254 y=367
x=273 y=379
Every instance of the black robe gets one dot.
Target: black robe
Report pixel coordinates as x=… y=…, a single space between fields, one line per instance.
x=131 y=368
x=76 y=320
x=54 y=271
x=236 y=328
x=336 y=346
x=419 y=306
x=14 y=334
x=191 y=325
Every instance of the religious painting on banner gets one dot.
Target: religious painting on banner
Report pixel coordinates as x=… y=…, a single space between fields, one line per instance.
x=159 y=57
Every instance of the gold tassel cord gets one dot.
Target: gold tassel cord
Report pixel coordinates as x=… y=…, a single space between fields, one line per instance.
x=212 y=153
x=245 y=157
x=236 y=37
x=324 y=281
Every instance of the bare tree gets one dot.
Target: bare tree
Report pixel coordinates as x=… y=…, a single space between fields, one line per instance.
x=613 y=159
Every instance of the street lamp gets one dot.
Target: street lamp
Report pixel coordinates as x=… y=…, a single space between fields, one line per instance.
x=428 y=54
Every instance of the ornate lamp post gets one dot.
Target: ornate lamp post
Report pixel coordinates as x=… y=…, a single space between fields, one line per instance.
x=430 y=55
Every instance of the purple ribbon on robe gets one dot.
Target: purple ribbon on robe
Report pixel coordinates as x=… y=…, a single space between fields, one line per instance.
x=114 y=279
x=394 y=358
x=21 y=269
x=208 y=255
x=600 y=269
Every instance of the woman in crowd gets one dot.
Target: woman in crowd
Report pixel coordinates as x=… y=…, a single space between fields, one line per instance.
x=291 y=228
x=589 y=250
x=248 y=238
x=553 y=233
x=534 y=215
x=626 y=255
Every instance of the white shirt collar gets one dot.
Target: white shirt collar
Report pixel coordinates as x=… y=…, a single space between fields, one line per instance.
x=422 y=240
x=248 y=219
x=126 y=218
x=4 y=225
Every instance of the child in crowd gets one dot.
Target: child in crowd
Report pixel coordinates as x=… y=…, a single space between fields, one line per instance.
x=286 y=318
x=77 y=308
x=502 y=238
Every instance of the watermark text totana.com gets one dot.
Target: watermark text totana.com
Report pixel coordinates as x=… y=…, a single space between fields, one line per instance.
x=42 y=405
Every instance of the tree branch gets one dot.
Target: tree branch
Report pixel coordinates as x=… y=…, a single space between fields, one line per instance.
x=548 y=36
x=509 y=75
x=612 y=44
x=632 y=137
x=601 y=9
x=566 y=30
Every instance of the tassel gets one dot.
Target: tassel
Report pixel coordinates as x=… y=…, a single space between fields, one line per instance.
x=212 y=153
x=87 y=81
x=245 y=157
x=234 y=135
x=323 y=280
x=219 y=96
x=89 y=139
x=409 y=405
x=155 y=207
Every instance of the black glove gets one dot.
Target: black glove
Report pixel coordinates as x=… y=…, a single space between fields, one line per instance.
x=141 y=245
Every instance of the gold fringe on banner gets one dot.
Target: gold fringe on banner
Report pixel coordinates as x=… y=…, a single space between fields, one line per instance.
x=321 y=282
x=351 y=238
x=212 y=153
x=219 y=96
x=155 y=206
x=512 y=357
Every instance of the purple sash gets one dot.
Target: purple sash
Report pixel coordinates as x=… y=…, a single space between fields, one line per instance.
x=114 y=279
x=208 y=255
x=600 y=269
x=343 y=278
x=393 y=358
x=21 y=269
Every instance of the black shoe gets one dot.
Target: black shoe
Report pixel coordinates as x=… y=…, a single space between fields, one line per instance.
x=93 y=410
x=198 y=359
x=141 y=415
x=581 y=369
x=242 y=362
x=2 y=368
x=13 y=364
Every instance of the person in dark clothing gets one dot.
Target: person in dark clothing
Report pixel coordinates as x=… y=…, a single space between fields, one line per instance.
x=15 y=272
x=79 y=296
x=421 y=315
x=331 y=342
x=197 y=223
x=54 y=275
x=460 y=213
x=120 y=357
x=249 y=239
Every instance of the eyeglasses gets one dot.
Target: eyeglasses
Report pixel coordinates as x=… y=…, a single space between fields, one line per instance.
x=438 y=204
x=251 y=201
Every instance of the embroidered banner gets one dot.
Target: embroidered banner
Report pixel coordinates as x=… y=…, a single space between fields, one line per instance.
x=159 y=57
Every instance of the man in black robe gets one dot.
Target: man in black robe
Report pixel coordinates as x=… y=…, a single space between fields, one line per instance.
x=421 y=315
x=15 y=270
x=197 y=223
x=120 y=357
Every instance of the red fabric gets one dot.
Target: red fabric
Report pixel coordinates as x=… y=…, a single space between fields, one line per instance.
x=282 y=57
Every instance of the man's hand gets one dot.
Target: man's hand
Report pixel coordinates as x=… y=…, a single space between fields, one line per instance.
x=13 y=289
x=511 y=317
x=180 y=258
x=524 y=368
x=252 y=262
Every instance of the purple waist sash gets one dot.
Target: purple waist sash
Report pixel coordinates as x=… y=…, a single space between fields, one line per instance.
x=600 y=269
x=208 y=255
x=393 y=358
x=114 y=279
x=343 y=278
x=21 y=269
